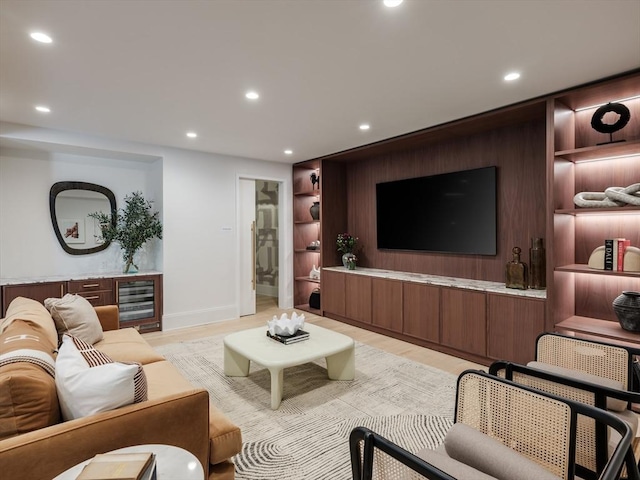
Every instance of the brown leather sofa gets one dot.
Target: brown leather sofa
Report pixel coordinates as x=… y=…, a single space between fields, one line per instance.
x=176 y=413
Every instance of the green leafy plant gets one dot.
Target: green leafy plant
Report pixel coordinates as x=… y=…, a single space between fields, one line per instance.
x=131 y=227
x=346 y=243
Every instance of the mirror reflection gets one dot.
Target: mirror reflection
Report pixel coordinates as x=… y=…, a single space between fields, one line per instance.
x=70 y=204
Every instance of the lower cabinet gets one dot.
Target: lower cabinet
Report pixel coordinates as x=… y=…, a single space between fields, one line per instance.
x=513 y=326
x=464 y=321
x=358 y=298
x=421 y=311
x=333 y=292
x=386 y=298
x=37 y=291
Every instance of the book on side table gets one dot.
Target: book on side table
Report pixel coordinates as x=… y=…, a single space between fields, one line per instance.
x=299 y=336
x=120 y=466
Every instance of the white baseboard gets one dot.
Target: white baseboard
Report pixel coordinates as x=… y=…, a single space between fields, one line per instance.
x=194 y=318
x=267 y=290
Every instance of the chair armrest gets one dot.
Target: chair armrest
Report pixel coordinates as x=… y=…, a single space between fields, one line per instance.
x=109 y=317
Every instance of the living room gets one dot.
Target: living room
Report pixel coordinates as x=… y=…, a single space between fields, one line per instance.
x=194 y=182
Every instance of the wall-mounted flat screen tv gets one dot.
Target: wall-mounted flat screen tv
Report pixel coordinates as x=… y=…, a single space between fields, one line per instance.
x=451 y=213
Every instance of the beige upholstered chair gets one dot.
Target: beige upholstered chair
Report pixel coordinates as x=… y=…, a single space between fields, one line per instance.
x=502 y=431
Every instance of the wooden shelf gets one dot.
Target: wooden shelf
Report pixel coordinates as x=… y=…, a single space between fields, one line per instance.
x=599 y=328
x=306 y=222
x=304 y=250
x=306 y=279
x=601 y=152
x=628 y=210
x=307 y=193
x=581 y=268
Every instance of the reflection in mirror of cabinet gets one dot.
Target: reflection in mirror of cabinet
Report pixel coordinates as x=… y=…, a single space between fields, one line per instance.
x=70 y=203
x=580 y=298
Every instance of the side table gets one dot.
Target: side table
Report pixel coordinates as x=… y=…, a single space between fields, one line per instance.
x=171 y=463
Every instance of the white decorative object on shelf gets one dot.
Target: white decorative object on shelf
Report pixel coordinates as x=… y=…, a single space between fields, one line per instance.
x=285 y=325
x=611 y=197
x=314 y=274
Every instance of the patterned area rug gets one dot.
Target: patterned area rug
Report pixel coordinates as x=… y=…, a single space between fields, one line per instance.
x=307 y=437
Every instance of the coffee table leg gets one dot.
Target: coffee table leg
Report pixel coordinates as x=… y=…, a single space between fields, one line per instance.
x=342 y=365
x=235 y=365
x=277 y=384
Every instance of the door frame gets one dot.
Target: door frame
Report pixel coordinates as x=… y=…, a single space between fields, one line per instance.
x=285 y=239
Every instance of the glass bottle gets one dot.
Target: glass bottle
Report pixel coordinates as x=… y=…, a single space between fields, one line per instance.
x=537 y=264
x=516 y=271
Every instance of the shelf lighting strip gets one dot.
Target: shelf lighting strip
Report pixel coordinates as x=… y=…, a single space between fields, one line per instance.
x=605 y=103
x=615 y=157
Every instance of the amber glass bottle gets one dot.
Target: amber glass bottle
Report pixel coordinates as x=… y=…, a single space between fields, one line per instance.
x=516 y=271
x=537 y=264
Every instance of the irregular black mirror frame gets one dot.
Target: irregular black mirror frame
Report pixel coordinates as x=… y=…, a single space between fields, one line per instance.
x=598 y=125
x=61 y=187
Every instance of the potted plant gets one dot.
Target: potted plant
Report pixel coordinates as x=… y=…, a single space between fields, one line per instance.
x=347 y=245
x=132 y=227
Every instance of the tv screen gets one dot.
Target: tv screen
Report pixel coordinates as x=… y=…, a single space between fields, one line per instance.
x=451 y=213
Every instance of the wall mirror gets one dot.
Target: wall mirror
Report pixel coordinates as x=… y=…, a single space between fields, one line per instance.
x=70 y=204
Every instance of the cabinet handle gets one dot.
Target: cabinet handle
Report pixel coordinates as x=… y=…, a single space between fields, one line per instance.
x=117 y=293
x=93 y=297
x=253 y=255
x=61 y=290
x=91 y=285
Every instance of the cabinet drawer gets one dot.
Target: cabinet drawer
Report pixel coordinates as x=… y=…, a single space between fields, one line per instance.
x=90 y=285
x=98 y=299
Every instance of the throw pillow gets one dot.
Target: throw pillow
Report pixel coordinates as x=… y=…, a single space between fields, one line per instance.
x=31 y=311
x=88 y=381
x=28 y=398
x=74 y=315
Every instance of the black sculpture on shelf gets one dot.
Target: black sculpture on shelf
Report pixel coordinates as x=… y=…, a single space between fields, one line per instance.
x=315 y=179
x=598 y=125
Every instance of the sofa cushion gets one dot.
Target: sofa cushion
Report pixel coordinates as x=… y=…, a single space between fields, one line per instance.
x=489 y=455
x=35 y=313
x=127 y=345
x=28 y=398
x=612 y=403
x=439 y=459
x=73 y=314
x=88 y=381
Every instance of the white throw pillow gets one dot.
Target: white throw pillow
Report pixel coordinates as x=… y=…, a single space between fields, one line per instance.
x=88 y=381
x=73 y=314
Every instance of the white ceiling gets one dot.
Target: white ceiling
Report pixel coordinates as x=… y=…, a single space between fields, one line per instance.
x=151 y=70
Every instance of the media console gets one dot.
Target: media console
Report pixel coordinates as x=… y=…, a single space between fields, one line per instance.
x=477 y=320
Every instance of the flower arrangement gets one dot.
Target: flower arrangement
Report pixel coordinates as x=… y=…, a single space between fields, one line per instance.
x=346 y=243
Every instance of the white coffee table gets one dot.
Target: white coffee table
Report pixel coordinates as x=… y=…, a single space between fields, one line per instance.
x=241 y=348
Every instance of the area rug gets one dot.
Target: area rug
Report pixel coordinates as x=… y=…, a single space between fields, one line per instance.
x=307 y=437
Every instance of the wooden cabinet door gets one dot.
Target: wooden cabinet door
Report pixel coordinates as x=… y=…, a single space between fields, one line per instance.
x=464 y=322
x=514 y=325
x=97 y=291
x=358 y=297
x=387 y=303
x=36 y=291
x=421 y=311
x=333 y=292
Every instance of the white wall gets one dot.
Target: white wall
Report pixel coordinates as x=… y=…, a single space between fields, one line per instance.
x=199 y=255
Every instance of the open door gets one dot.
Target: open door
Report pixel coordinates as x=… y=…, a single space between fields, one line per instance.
x=247 y=240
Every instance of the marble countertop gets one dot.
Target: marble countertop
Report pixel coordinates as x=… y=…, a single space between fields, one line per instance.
x=464 y=283
x=71 y=277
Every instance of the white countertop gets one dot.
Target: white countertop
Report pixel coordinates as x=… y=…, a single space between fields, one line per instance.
x=464 y=283
x=71 y=277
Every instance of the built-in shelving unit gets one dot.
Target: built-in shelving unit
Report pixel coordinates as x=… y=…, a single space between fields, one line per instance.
x=581 y=297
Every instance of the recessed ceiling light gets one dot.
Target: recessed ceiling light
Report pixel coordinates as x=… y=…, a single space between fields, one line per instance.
x=365 y=126
x=41 y=37
x=252 y=95
x=392 y=3
x=510 y=77
x=288 y=152
x=43 y=109
x=192 y=134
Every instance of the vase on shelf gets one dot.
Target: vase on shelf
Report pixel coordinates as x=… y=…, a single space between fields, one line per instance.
x=349 y=261
x=537 y=265
x=129 y=265
x=516 y=271
x=627 y=308
x=315 y=211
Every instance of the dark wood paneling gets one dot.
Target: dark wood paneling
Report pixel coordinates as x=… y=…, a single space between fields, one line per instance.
x=35 y=291
x=334 y=210
x=464 y=322
x=519 y=154
x=333 y=292
x=421 y=311
x=586 y=136
x=564 y=297
x=598 y=175
x=513 y=326
x=595 y=294
x=358 y=298
x=564 y=240
x=592 y=230
x=563 y=128
x=387 y=303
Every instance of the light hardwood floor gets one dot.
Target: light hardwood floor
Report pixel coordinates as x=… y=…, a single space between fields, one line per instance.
x=267 y=307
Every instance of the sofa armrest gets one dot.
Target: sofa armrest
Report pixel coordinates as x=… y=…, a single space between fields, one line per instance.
x=109 y=317
x=181 y=420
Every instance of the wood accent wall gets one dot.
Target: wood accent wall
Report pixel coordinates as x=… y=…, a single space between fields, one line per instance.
x=519 y=153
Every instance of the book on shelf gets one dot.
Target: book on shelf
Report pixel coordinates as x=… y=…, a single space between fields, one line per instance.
x=120 y=466
x=608 y=254
x=299 y=336
x=623 y=243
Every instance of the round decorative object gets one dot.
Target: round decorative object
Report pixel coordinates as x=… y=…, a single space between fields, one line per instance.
x=598 y=125
x=627 y=309
x=315 y=211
